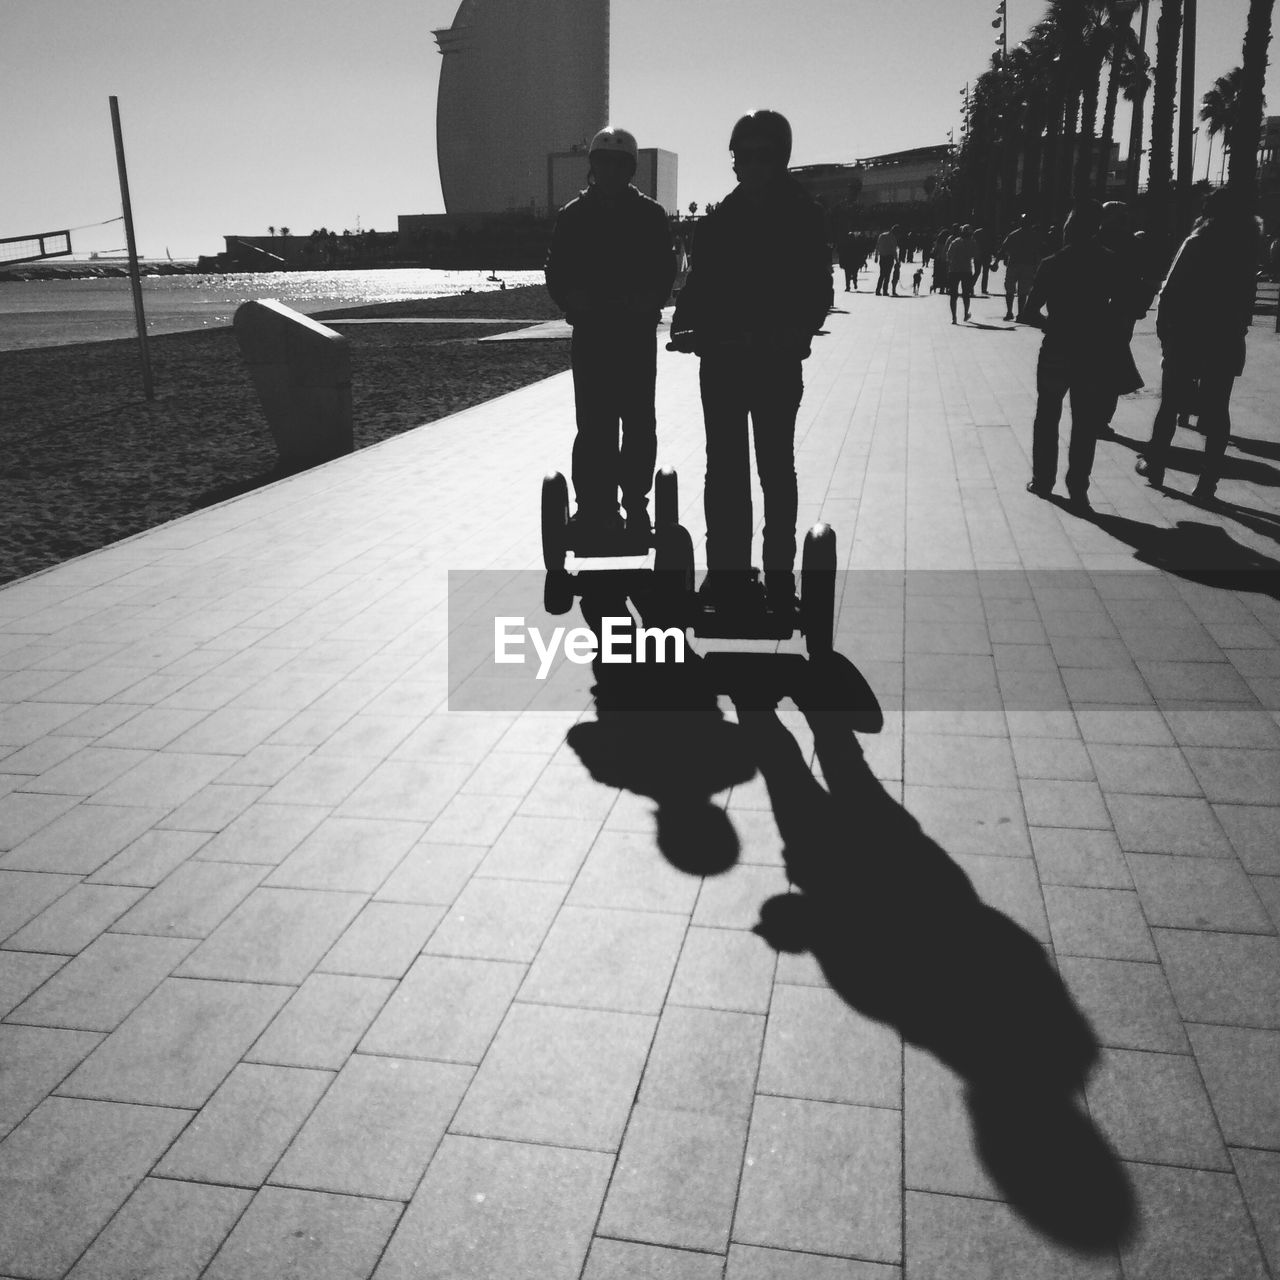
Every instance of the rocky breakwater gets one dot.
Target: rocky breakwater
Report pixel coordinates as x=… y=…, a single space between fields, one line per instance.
x=114 y=270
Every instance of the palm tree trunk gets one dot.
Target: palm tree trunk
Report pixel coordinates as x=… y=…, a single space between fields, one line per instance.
x=1160 y=174
x=1246 y=134
x=1134 y=163
x=1088 y=127
x=1115 y=57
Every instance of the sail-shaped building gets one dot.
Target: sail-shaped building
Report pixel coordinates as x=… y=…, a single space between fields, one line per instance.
x=520 y=80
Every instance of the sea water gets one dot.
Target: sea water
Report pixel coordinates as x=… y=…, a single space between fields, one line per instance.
x=48 y=313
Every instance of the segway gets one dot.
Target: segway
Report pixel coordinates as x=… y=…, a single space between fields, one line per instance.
x=561 y=539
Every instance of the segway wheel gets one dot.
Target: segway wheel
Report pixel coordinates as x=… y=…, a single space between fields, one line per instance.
x=673 y=575
x=557 y=592
x=818 y=590
x=666 y=498
x=555 y=520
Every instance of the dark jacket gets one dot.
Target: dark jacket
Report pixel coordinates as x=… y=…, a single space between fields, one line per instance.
x=761 y=272
x=1206 y=304
x=619 y=254
x=1079 y=285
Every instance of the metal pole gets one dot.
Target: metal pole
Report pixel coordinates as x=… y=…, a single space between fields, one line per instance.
x=134 y=279
x=1186 y=117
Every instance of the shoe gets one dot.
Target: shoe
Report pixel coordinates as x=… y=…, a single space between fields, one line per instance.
x=1078 y=500
x=638 y=524
x=780 y=592
x=953 y=319
x=1008 y=315
x=966 y=315
x=1153 y=473
x=1040 y=490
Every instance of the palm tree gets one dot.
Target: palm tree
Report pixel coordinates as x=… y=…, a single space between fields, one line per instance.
x=1160 y=173
x=1135 y=83
x=1122 y=51
x=271 y=231
x=1220 y=106
x=1248 y=126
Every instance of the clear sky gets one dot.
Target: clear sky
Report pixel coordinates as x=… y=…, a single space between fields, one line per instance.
x=244 y=114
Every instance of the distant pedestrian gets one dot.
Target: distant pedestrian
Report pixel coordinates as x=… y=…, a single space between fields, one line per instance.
x=759 y=292
x=610 y=267
x=939 y=284
x=982 y=269
x=849 y=249
x=1206 y=307
x=961 y=257
x=1021 y=254
x=886 y=256
x=1077 y=285
x=917 y=276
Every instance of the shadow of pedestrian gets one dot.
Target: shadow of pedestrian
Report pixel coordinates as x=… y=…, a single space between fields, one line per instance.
x=903 y=938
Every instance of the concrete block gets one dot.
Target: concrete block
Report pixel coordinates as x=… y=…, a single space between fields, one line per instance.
x=302 y=373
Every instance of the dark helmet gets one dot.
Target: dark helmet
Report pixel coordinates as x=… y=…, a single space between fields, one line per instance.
x=763 y=126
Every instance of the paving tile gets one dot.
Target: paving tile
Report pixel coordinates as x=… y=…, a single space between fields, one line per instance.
x=566 y=1077
x=231 y=730
x=1236 y=775
x=459 y=736
x=1259 y=1175
x=445 y=1008
x=970 y=821
x=939 y=1148
x=326 y=780
x=1105 y=687
x=1075 y=856
x=87 y=771
x=1229 y=726
x=25 y=894
x=153 y=728
x=27 y=722
x=245 y=1127
x=21 y=973
x=323 y=1022
x=1104 y=923
x=164 y=779
x=355 y=854
x=305 y=1233
x=497 y=920
x=82 y=839
x=567 y=791
x=824 y=1177
x=1011 y=887
x=274 y=935
x=489 y=1209
x=68 y=925
x=33 y=1062
x=192 y=901
x=625 y=870
x=73 y=1164
x=746 y=1262
x=732 y=900
x=1240 y=1067
x=958 y=760
x=264 y=833
x=506 y=773
x=1168 y=824
x=23 y=814
x=1254 y=832
x=411 y=790
x=472 y=819
x=101 y=986
x=1060 y=758
x=723 y=969
x=627 y=1260
x=1222 y=977
x=540 y=848
x=150 y=858
x=1142 y=770
x=949 y=1236
x=1194 y=1224
x=817 y=1047
x=1153 y=1107
x=705 y=1061
x=431 y=873
x=175 y=1048
x=383 y=940
x=376 y=1128
x=1197 y=893
x=266 y=765
x=165 y=1229
x=212 y=808
x=1127 y=1003
x=1065 y=804
x=692 y=1210
x=41 y=755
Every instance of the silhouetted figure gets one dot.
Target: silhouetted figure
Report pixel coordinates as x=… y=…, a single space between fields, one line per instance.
x=610 y=267
x=1077 y=284
x=850 y=261
x=945 y=237
x=1021 y=254
x=1206 y=306
x=962 y=257
x=886 y=256
x=759 y=291
x=1132 y=299
x=982 y=267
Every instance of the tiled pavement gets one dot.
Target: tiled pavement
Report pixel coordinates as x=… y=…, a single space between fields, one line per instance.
x=302 y=973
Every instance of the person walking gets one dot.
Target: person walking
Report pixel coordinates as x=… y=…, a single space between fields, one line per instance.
x=850 y=247
x=1021 y=255
x=1078 y=285
x=982 y=266
x=1132 y=300
x=1205 y=309
x=939 y=284
x=610 y=268
x=759 y=292
x=886 y=256
x=961 y=262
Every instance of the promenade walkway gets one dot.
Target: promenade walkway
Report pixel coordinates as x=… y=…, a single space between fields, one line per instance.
x=303 y=973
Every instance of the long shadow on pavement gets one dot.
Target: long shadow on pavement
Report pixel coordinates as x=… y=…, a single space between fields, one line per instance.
x=895 y=924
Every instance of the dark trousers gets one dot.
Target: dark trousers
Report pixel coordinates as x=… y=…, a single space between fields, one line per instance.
x=886 y=269
x=1213 y=397
x=615 y=369
x=763 y=387
x=957 y=282
x=1058 y=377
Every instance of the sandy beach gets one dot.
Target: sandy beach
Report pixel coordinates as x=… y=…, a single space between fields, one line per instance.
x=87 y=460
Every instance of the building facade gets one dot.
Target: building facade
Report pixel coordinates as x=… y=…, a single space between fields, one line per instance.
x=656 y=172
x=520 y=79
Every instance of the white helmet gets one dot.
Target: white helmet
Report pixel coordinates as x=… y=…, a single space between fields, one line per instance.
x=611 y=139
